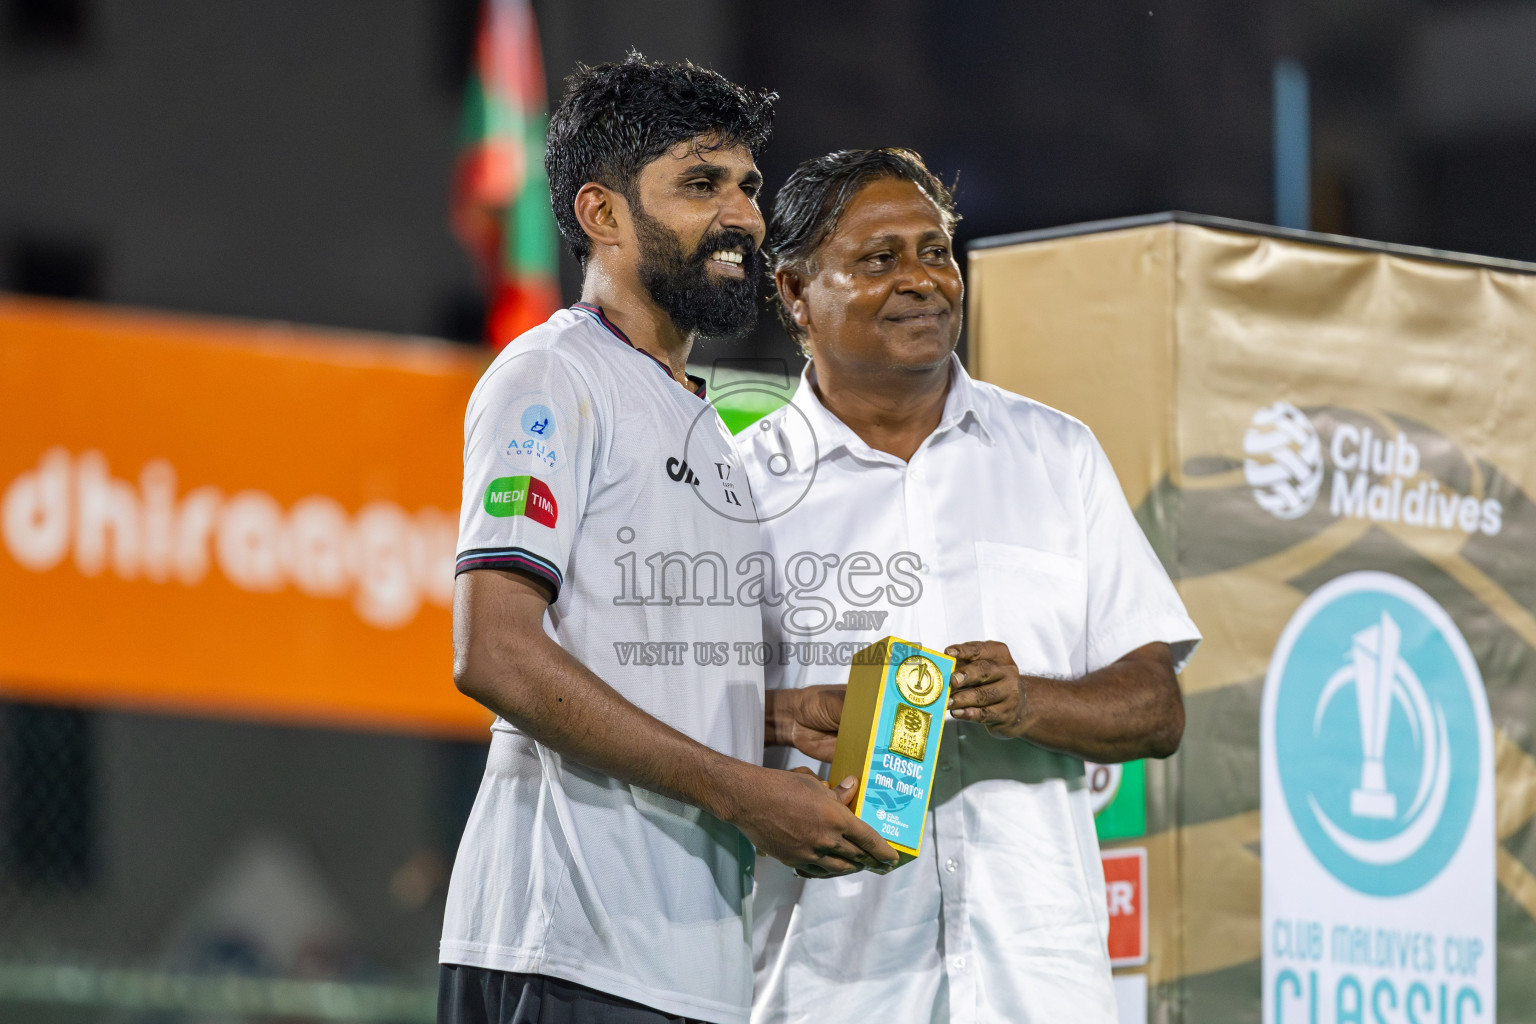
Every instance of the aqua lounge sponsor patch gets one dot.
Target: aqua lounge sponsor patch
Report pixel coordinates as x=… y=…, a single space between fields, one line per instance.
x=526 y=439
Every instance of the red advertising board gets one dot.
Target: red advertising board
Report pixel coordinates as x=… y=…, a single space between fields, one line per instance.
x=1125 y=888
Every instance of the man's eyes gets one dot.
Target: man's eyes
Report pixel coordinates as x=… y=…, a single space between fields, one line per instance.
x=933 y=254
x=704 y=186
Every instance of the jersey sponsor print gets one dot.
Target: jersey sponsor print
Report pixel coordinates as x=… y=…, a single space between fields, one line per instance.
x=521 y=496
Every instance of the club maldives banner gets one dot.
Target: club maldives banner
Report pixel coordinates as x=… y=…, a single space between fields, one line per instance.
x=1329 y=444
x=209 y=517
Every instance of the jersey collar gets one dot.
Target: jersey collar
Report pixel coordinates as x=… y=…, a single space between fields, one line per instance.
x=602 y=318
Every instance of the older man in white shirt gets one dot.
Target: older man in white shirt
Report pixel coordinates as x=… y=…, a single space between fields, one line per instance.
x=907 y=499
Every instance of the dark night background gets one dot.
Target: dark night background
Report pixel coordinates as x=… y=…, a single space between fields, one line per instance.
x=290 y=159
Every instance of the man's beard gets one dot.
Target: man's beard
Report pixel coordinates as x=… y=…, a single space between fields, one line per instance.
x=715 y=307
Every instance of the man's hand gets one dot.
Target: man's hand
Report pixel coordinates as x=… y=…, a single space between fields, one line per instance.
x=805 y=718
x=794 y=818
x=1130 y=708
x=986 y=687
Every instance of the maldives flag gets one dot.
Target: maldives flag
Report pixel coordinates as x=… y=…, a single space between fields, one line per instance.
x=501 y=195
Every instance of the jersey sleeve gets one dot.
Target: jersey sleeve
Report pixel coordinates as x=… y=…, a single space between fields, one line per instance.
x=1131 y=600
x=531 y=442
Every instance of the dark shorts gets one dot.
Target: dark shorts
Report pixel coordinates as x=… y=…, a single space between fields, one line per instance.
x=478 y=995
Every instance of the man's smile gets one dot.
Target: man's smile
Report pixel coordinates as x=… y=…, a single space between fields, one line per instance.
x=921 y=316
x=727 y=262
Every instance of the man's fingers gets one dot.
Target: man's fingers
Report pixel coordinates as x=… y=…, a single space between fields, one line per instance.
x=824 y=709
x=845 y=851
x=972 y=649
x=974 y=673
x=828 y=867
x=835 y=866
x=869 y=841
x=846 y=791
x=981 y=696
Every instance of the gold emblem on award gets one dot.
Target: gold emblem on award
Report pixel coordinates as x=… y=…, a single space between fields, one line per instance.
x=909 y=732
x=919 y=681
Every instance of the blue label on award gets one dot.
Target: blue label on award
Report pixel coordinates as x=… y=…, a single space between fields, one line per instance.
x=906 y=749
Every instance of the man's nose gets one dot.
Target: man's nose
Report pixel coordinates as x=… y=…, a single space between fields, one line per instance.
x=741 y=213
x=915 y=276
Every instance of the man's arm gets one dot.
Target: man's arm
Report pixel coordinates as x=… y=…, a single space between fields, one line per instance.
x=503 y=658
x=1128 y=709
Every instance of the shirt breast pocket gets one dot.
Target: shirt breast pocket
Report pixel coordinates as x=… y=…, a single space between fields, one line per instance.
x=1036 y=602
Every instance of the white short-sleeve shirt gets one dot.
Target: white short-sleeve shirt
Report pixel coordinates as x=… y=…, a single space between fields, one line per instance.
x=587 y=465
x=1007 y=524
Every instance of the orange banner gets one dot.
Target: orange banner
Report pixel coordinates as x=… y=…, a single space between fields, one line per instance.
x=241 y=520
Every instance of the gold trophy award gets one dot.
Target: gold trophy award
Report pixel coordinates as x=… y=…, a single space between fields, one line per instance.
x=888 y=739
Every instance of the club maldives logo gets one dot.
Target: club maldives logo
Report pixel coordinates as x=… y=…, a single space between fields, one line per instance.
x=521 y=496
x=1284 y=463
x=1377 y=475
x=1375 y=731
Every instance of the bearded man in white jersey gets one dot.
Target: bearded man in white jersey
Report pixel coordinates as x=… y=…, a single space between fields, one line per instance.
x=605 y=870
x=1017 y=555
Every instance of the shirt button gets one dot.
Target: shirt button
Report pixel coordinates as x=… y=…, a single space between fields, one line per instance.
x=945 y=766
x=959 y=963
x=923 y=568
x=950 y=865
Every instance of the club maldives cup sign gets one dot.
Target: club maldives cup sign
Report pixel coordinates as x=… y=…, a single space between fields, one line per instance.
x=1378 y=819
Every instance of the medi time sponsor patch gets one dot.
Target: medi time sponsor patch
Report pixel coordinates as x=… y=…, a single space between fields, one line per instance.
x=521 y=496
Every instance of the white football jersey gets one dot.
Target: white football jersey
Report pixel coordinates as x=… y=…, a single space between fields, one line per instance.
x=588 y=466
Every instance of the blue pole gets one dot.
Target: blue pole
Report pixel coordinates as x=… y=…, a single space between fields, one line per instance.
x=1293 y=178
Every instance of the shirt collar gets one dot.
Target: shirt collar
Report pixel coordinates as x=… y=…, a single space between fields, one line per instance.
x=827 y=434
x=962 y=408
x=698 y=385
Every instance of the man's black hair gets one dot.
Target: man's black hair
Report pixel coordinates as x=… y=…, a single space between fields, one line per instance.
x=806 y=210
x=616 y=118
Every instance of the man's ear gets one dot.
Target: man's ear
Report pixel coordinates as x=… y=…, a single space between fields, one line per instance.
x=600 y=212
x=791 y=285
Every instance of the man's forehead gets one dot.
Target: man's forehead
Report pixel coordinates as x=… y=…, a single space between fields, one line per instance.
x=707 y=149
x=889 y=206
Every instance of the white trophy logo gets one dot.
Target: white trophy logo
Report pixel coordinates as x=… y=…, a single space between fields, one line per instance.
x=1381 y=677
